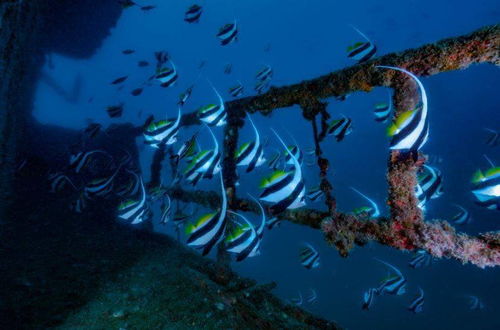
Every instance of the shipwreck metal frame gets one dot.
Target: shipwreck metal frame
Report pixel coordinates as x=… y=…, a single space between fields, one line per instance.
x=405 y=228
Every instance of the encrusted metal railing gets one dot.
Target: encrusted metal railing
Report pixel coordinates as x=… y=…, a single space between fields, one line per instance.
x=405 y=229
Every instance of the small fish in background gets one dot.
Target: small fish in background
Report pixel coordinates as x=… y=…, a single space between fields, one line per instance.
x=342 y=97
x=185 y=96
x=274 y=221
x=101 y=186
x=80 y=160
x=202 y=64
x=142 y=64
x=361 y=51
x=462 y=217
x=313 y=296
x=237 y=90
x=430 y=185
x=228 y=68
x=475 y=303
x=486 y=187
x=315 y=194
x=275 y=161
x=296 y=152
x=261 y=86
x=137 y=91
x=115 y=111
x=119 y=80
x=420 y=259
x=148 y=8
x=128 y=51
x=492 y=140
x=297 y=301
x=228 y=33
x=393 y=285
x=92 y=130
x=372 y=211
x=187 y=149
x=166 y=211
x=368 y=298
x=417 y=305
x=266 y=73
x=410 y=130
x=165 y=75
x=340 y=128
x=58 y=182
x=193 y=14
x=210 y=228
x=309 y=257
x=250 y=154
x=134 y=211
x=126 y=3
x=382 y=112
x=213 y=114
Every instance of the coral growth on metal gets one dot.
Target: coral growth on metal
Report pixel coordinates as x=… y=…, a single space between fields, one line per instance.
x=405 y=229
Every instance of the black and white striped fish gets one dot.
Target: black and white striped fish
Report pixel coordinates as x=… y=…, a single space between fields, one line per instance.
x=165 y=211
x=315 y=193
x=205 y=164
x=167 y=76
x=81 y=159
x=131 y=187
x=374 y=211
x=134 y=210
x=394 y=285
x=430 y=185
x=417 y=305
x=251 y=154
x=296 y=152
x=228 y=33
x=101 y=186
x=492 y=140
x=410 y=130
x=362 y=51
x=115 y=111
x=243 y=240
x=185 y=96
x=340 y=128
x=275 y=161
x=297 y=301
x=382 y=111
x=285 y=190
x=309 y=257
x=163 y=132
x=462 y=217
x=486 y=188
x=92 y=130
x=421 y=259
x=236 y=90
x=368 y=298
x=193 y=14
x=261 y=86
x=213 y=114
x=186 y=150
x=264 y=74
x=209 y=229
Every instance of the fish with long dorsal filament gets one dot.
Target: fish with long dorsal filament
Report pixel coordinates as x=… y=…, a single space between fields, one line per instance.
x=213 y=114
x=134 y=210
x=228 y=33
x=430 y=185
x=163 y=132
x=205 y=164
x=368 y=298
x=284 y=189
x=250 y=154
x=309 y=256
x=362 y=51
x=372 y=211
x=193 y=14
x=393 y=285
x=209 y=229
x=420 y=259
x=417 y=305
x=462 y=217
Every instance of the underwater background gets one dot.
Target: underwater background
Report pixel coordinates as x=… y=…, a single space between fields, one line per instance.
x=306 y=39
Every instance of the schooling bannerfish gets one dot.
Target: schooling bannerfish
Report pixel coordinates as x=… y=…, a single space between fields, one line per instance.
x=205 y=164
x=315 y=194
x=410 y=130
x=264 y=74
x=394 y=285
x=417 y=305
x=312 y=297
x=430 y=185
x=212 y=114
x=309 y=257
x=228 y=33
x=421 y=259
x=163 y=132
x=165 y=211
x=340 y=128
x=81 y=159
x=237 y=90
x=492 y=140
x=368 y=298
x=251 y=154
x=119 y=80
x=372 y=211
x=285 y=190
x=362 y=51
x=193 y=14
x=185 y=96
x=486 y=187
x=133 y=210
x=115 y=111
x=209 y=229
x=462 y=217
x=475 y=303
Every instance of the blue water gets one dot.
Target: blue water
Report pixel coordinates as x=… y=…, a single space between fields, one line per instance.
x=308 y=38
